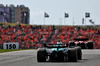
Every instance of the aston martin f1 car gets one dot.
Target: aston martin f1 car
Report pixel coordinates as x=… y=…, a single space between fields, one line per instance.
x=58 y=52
x=83 y=42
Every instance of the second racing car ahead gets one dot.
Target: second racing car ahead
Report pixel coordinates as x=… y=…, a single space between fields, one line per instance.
x=83 y=42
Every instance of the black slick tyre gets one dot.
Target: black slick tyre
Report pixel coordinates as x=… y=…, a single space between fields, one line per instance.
x=72 y=55
x=90 y=45
x=41 y=55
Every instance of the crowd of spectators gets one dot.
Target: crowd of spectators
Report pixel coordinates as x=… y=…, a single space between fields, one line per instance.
x=66 y=34
x=30 y=37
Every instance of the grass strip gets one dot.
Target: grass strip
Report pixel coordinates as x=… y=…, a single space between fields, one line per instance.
x=10 y=50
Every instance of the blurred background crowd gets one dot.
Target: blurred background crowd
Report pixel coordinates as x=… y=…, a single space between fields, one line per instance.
x=30 y=37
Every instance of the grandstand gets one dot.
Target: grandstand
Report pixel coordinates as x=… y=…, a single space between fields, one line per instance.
x=32 y=37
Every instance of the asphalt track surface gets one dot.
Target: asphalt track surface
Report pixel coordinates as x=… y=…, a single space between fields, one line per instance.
x=28 y=58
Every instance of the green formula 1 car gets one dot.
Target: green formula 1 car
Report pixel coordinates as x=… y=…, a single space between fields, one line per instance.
x=57 y=52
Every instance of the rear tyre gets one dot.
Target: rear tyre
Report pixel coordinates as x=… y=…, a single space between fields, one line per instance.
x=41 y=55
x=90 y=45
x=72 y=55
x=72 y=44
x=79 y=53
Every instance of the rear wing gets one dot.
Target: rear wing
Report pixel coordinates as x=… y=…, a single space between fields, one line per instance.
x=55 y=45
x=81 y=39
